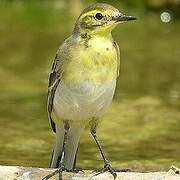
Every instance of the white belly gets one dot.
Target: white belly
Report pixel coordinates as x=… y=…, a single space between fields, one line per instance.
x=82 y=101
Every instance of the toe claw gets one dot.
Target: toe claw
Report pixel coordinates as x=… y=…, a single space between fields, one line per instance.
x=115 y=175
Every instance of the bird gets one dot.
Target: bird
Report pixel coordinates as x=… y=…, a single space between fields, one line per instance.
x=82 y=83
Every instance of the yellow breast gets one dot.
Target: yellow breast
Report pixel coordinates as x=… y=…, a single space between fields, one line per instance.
x=95 y=62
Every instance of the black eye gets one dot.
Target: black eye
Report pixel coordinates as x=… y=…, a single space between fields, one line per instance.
x=99 y=16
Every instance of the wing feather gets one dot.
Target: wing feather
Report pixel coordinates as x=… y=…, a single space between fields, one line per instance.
x=118 y=57
x=54 y=80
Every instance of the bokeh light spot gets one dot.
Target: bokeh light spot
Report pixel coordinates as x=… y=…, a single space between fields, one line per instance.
x=165 y=17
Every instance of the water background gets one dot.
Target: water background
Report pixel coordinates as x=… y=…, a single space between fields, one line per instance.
x=140 y=130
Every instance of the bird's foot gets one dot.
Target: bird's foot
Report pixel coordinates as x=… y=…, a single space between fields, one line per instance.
x=107 y=168
x=175 y=169
x=58 y=171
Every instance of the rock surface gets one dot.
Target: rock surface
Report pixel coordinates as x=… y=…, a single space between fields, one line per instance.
x=28 y=173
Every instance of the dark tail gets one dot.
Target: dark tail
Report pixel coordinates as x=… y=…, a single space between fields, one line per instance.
x=71 y=147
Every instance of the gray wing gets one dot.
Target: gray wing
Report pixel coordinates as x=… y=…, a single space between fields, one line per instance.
x=118 y=57
x=54 y=80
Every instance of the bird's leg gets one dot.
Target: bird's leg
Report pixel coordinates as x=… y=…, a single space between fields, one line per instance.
x=61 y=165
x=107 y=166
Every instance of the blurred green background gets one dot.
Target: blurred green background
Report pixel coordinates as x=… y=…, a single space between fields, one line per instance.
x=141 y=129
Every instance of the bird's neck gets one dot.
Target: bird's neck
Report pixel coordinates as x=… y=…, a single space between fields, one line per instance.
x=89 y=34
x=91 y=39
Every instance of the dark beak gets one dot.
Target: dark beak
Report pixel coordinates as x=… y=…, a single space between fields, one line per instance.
x=124 y=18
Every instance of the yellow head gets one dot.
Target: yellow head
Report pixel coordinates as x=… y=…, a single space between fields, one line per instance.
x=100 y=18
